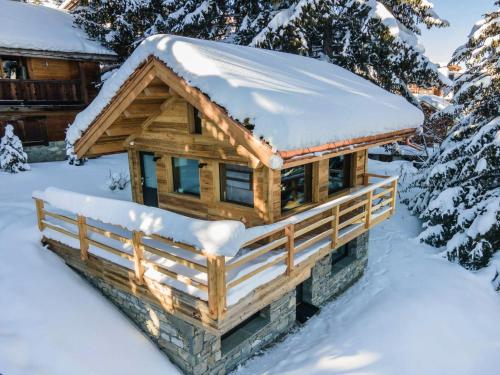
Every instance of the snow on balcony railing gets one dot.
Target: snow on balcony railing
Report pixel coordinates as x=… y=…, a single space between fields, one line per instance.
x=219 y=262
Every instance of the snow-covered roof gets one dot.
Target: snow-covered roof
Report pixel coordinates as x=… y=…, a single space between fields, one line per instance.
x=39 y=28
x=294 y=102
x=434 y=101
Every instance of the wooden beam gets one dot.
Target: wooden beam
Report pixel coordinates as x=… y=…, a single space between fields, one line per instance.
x=290 y=247
x=138 y=256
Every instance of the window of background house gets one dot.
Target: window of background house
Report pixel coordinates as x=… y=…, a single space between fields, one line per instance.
x=296 y=186
x=236 y=183
x=197 y=122
x=338 y=173
x=12 y=68
x=186 y=173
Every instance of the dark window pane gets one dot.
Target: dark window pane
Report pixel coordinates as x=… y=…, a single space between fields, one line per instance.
x=197 y=122
x=186 y=176
x=295 y=186
x=236 y=184
x=340 y=253
x=338 y=173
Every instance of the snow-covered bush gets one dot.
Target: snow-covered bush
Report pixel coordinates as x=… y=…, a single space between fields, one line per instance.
x=13 y=159
x=457 y=192
x=117 y=180
x=72 y=157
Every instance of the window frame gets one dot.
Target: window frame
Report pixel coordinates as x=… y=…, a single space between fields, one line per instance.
x=347 y=183
x=197 y=125
x=309 y=171
x=223 y=184
x=176 y=178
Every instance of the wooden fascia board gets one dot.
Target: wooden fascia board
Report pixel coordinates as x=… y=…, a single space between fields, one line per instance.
x=125 y=96
x=332 y=147
x=58 y=55
x=309 y=158
x=215 y=113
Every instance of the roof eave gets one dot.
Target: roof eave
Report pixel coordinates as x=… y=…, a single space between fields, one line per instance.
x=58 y=54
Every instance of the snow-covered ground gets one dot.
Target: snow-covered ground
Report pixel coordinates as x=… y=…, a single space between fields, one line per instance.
x=412 y=312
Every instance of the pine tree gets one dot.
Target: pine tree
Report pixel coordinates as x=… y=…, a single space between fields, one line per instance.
x=204 y=19
x=13 y=159
x=357 y=35
x=119 y=24
x=457 y=192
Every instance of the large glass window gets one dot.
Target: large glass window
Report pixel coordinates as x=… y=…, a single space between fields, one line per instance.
x=186 y=176
x=236 y=184
x=296 y=186
x=338 y=173
x=12 y=68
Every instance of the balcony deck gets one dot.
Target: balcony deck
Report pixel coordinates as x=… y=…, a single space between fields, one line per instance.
x=216 y=292
x=40 y=92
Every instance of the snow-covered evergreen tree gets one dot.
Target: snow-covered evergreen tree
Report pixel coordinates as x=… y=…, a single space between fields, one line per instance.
x=457 y=192
x=204 y=19
x=362 y=36
x=119 y=24
x=13 y=159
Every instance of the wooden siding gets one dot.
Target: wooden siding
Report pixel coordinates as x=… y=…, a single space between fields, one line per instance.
x=52 y=69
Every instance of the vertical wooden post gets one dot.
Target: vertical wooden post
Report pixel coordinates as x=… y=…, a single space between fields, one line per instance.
x=138 y=256
x=290 y=247
x=82 y=234
x=366 y=179
x=83 y=83
x=216 y=272
x=335 y=226
x=40 y=214
x=393 y=196
x=369 y=210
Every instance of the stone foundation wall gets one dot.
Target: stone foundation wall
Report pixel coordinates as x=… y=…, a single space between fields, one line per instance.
x=54 y=151
x=197 y=351
x=328 y=281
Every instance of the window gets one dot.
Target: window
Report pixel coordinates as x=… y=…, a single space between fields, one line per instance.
x=342 y=257
x=186 y=176
x=236 y=184
x=242 y=332
x=12 y=68
x=197 y=121
x=338 y=173
x=296 y=184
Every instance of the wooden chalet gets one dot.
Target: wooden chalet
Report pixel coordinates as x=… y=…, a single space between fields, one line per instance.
x=191 y=153
x=49 y=71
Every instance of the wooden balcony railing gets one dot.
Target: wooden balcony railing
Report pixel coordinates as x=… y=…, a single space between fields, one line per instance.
x=40 y=91
x=284 y=248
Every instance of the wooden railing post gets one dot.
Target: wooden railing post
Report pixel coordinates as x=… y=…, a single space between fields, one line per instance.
x=40 y=214
x=138 y=256
x=335 y=226
x=369 y=210
x=366 y=179
x=82 y=235
x=393 y=196
x=290 y=247
x=216 y=272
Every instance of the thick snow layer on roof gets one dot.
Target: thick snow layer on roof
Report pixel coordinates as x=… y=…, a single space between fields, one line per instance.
x=435 y=101
x=40 y=28
x=293 y=101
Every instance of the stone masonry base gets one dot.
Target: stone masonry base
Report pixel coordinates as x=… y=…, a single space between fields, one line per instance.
x=197 y=351
x=54 y=151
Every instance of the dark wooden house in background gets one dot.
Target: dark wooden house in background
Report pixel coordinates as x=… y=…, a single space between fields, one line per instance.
x=47 y=75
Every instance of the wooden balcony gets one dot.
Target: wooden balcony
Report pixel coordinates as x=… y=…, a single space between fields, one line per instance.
x=40 y=92
x=215 y=291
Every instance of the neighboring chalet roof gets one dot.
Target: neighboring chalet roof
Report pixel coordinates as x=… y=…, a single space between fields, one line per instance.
x=437 y=102
x=292 y=102
x=35 y=30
